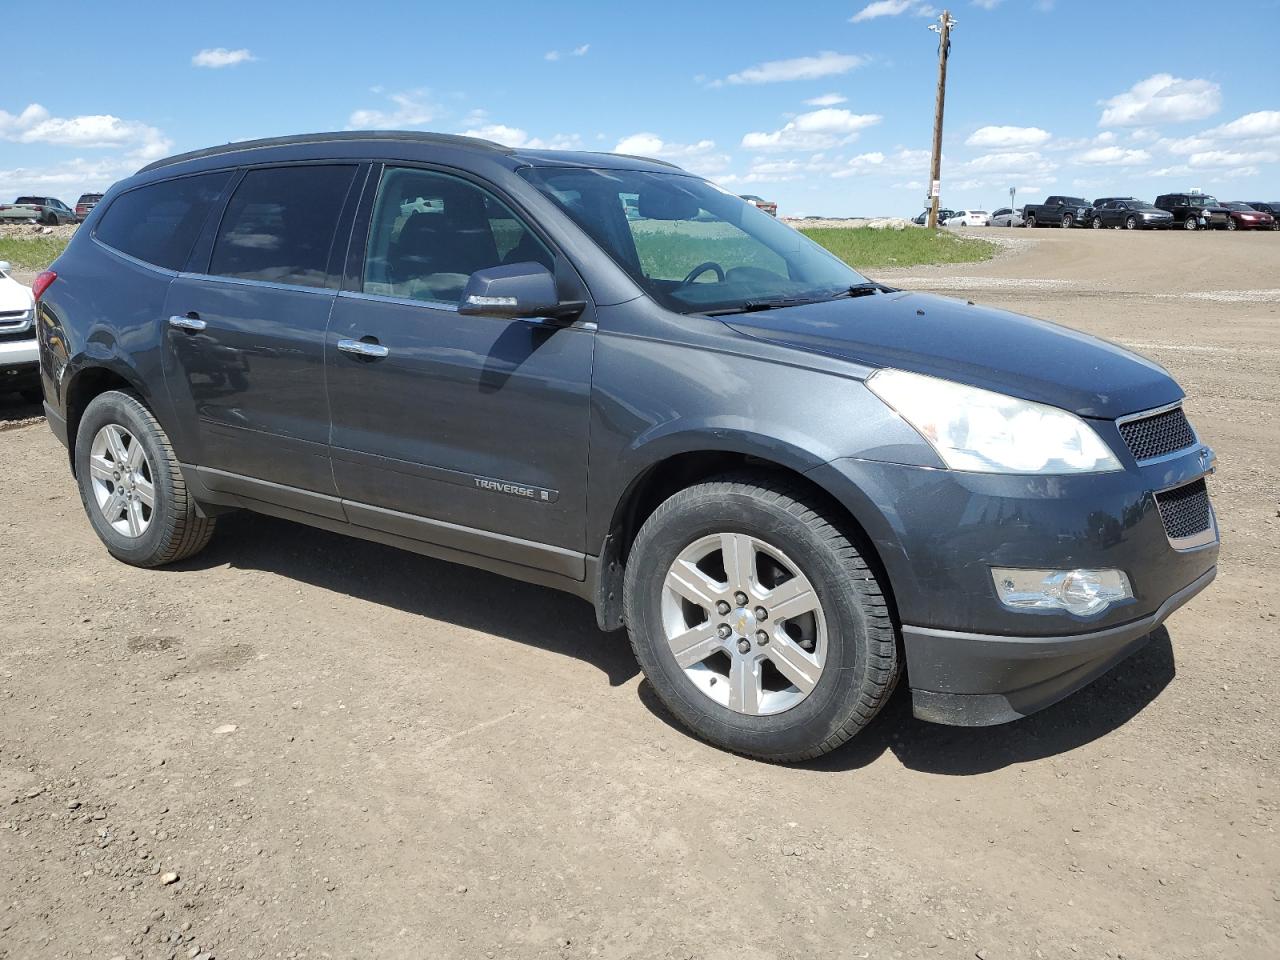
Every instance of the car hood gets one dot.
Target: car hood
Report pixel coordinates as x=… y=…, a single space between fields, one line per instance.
x=979 y=346
x=14 y=296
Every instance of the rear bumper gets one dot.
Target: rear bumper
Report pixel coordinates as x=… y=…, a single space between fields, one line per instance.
x=977 y=680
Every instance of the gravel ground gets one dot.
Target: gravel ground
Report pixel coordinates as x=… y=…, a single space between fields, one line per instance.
x=299 y=745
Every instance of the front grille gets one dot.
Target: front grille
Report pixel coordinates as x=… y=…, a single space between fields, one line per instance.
x=1158 y=434
x=1185 y=510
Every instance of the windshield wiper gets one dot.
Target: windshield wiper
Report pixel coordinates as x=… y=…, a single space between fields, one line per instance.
x=754 y=306
x=861 y=290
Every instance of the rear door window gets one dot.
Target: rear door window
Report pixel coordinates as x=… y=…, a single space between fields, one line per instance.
x=279 y=224
x=159 y=223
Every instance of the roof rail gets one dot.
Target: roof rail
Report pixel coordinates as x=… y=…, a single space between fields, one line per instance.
x=416 y=136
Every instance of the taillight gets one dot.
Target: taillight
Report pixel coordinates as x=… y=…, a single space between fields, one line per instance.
x=43 y=280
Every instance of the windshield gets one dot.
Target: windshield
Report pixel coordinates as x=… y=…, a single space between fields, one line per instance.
x=1202 y=201
x=1237 y=205
x=1140 y=205
x=692 y=246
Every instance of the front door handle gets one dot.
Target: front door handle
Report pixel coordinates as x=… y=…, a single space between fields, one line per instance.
x=361 y=348
x=189 y=322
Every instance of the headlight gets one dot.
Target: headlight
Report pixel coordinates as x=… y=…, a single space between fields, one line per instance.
x=987 y=432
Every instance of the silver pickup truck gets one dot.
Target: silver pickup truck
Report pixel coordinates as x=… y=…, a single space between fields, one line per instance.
x=47 y=210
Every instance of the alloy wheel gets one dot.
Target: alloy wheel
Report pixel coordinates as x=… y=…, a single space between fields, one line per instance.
x=122 y=480
x=744 y=623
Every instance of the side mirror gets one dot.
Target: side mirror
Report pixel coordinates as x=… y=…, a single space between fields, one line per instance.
x=516 y=291
x=5 y=266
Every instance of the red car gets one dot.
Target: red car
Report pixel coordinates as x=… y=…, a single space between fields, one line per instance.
x=1245 y=217
x=768 y=206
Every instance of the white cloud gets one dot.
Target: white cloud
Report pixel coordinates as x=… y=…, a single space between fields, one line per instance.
x=1007 y=137
x=892 y=8
x=699 y=157
x=825 y=64
x=551 y=55
x=1232 y=158
x=411 y=109
x=1112 y=157
x=815 y=130
x=582 y=50
x=1162 y=98
x=515 y=137
x=35 y=125
x=986 y=4
x=1252 y=126
x=217 y=57
x=826 y=100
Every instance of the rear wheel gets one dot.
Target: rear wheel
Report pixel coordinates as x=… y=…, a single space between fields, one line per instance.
x=1096 y=223
x=757 y=621
x=1231 y=224
x=1031 y=220
x=131 y=486
x=1190 y=224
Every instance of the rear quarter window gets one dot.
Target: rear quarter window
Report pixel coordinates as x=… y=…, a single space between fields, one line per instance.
x=159 y=223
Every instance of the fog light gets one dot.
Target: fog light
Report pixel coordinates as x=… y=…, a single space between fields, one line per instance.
x=1081 y=592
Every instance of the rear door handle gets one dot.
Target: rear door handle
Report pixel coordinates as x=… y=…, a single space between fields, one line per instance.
x=189 y=322
x=360 y=348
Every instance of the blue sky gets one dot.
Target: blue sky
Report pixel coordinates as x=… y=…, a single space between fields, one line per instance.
x=825 y=107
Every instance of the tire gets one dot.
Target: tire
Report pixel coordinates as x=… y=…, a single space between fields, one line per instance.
x=1068 y=221
x=174 y=529
x=1190 y=224
x=1231 y=224
x=1096 y=223
x=1030 y=220
x=854 y=642
x=1131 y=223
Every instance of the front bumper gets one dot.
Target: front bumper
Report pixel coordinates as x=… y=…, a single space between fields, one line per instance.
x=970 y=659
x=978 y=680
x=19 y=364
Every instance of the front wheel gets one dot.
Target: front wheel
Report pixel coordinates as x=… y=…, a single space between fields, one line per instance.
x=757 y=621
x=1068 y=221
x=1231 y=224
x=131 y=486
x=1131 y=223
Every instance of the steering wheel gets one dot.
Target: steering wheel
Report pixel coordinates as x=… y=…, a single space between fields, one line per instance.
x=702 y=268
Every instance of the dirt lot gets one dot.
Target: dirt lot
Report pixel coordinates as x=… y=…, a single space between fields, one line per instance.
x=345 y=751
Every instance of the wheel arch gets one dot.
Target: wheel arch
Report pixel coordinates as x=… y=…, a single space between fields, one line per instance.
x=676 y=470
x=90 y=380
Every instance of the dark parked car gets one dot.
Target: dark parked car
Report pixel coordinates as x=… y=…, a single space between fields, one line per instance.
x=1129 y=214
x=1194 y=211
x=85 y=204
x=1245 y=217
x=943 y=215
x=1056 y=211
x=791 y=484
x=1272 y=207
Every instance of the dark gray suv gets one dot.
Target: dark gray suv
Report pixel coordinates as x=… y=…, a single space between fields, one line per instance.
x=600 y=373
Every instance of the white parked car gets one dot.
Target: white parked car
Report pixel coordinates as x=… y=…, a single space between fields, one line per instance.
x=19 y=353
x=968 y=218
x=1006 y=217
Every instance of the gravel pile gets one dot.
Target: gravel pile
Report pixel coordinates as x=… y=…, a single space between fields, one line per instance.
x=36 y=230
x=850 y=223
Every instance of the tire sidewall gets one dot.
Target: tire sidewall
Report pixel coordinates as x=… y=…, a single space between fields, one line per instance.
x=831 y=702
x=119 y=408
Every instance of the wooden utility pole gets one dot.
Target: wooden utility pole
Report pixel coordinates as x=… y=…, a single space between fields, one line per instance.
x=943 y=29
